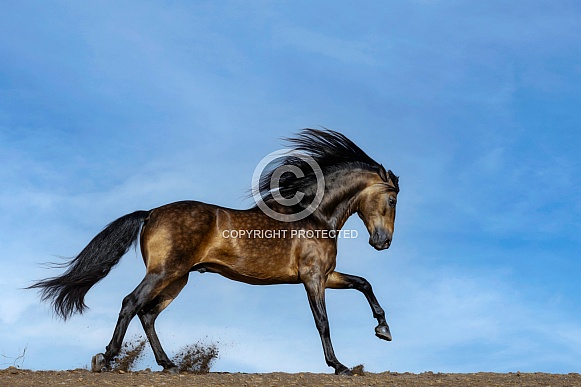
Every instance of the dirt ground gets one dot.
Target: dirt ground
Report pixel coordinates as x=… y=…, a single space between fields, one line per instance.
x=21 y=378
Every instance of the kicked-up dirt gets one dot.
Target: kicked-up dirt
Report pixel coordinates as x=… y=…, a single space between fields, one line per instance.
x=14 y=377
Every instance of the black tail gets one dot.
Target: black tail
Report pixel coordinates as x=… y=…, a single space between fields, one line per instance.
x=67 y=292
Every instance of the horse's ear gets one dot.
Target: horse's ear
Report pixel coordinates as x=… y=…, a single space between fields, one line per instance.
x=383 y=173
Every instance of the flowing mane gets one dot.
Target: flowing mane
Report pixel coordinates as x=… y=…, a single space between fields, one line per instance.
x=330 y=150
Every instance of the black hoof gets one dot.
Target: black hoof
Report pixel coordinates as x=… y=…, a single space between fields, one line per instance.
x=98 y=363
x=382 y=331
x=172 y=370
x=342 y=370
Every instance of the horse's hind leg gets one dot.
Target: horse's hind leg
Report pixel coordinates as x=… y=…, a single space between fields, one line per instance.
x=146 y=291
x=150 y=312
x=338 y=280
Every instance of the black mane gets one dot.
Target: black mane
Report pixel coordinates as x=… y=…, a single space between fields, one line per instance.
x=331 y=151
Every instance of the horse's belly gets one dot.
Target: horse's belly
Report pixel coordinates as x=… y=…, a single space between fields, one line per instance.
x=251 y=269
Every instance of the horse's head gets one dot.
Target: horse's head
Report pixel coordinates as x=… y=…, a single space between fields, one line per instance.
x=377 y=208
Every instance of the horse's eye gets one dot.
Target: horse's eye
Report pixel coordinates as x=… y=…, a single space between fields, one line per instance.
x=391 y=202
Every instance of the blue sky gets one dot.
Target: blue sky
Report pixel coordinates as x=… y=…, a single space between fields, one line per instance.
x=106 y=108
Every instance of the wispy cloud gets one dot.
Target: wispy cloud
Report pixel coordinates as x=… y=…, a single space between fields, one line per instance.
x=344 y=50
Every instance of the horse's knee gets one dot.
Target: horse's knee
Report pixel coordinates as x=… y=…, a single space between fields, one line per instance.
x=363 y=285
x=367 y=286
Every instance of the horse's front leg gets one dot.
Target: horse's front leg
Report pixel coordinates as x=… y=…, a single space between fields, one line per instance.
x=345 y=281
x=316 y=294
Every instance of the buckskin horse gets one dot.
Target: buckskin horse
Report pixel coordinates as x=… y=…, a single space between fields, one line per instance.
x=187 y=236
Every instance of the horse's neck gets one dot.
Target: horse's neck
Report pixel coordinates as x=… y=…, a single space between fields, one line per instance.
x=341 y=199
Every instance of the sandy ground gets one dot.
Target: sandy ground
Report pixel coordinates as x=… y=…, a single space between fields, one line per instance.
x=20 y=378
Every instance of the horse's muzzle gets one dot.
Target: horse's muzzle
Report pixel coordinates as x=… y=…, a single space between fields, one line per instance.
x=380 y=240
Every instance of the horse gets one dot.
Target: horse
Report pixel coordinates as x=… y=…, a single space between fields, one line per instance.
x=288 y=237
